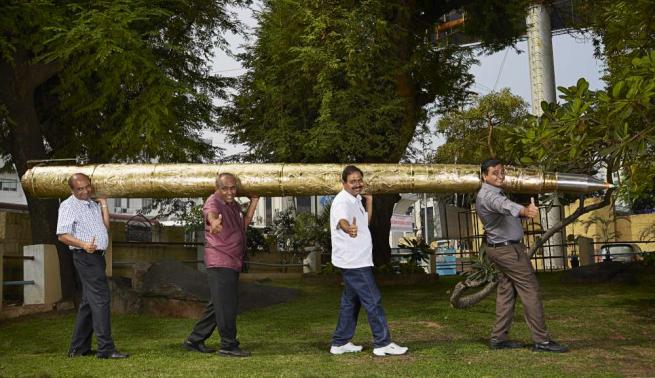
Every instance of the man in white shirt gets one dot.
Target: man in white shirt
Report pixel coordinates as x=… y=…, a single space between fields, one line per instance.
x=352 y=252
x=82 y=225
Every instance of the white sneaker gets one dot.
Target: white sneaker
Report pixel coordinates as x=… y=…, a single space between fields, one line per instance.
x=392 y=349
x=345 y=348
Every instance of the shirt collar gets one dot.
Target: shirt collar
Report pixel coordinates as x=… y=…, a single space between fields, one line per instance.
x=87 y=203
x=491 y=188
x=350 y=197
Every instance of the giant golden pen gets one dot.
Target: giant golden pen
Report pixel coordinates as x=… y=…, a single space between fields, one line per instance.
x=197 y=180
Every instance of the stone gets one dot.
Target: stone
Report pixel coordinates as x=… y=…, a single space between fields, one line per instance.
x=124 y=300
x=607 y=271
x=139 y=269
x=172 y=288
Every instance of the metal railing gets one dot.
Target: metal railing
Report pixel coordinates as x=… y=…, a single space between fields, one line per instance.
x=17 y=283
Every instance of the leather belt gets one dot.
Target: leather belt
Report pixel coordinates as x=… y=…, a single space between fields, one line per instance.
x=96 y=252
x=505 y=243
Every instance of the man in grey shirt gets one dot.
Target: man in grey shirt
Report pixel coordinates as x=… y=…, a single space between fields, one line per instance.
x=504 y=243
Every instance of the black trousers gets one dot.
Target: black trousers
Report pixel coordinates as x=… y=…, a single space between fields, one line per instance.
x=93 y=315
x=221 y=310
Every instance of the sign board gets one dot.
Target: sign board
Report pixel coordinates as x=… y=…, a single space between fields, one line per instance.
x=402 y=223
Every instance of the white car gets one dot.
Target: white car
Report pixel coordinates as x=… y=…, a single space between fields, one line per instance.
x=620 y=252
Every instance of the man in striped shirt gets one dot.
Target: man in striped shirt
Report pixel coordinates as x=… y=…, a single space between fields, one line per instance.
x=83 y=225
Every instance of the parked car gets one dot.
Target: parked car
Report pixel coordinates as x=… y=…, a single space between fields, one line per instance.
x=621 y=252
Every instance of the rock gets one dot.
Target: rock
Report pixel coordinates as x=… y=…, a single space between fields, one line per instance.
x=65 y=306
x=171 y=288
x=124 y=300
x=139 y=269
x=173 y=279
x=608 y=271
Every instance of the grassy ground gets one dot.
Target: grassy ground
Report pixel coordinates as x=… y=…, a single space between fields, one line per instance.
x=609 y=327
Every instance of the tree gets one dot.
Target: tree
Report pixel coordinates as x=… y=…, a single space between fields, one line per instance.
x=610 y=130
x=346 y=81
x=107 y=81
x=476 y=132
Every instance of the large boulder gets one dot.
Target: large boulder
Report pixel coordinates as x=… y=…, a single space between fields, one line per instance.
x=171 y=288
x=607 y=271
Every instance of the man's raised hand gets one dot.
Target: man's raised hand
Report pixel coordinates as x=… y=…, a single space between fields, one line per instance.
x=352 y=229
x=531 y=210
x=216 y=225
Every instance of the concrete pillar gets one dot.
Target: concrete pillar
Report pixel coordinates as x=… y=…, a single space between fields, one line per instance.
x=1 y=278
x=542 y=88
x=313 y=259
x=585 y=250
x=44 y=271
x=557 y=251
x=540 y=56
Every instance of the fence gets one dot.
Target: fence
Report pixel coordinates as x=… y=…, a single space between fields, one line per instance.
x=551 y=256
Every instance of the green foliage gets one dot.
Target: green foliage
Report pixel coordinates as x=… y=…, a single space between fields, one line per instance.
x=608 y=129
x=482 y=269
x=467 y=131
x=605 y=226
x=256 y=241
x=420 y=250
x=336 y=81
x=294 y=232
x=624 y=30
x=133 y=81
x=611 y=129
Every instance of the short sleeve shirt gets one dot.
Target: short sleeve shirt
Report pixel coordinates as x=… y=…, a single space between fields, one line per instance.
x=348 y=252
x=82 y=220
x=227 y=248
x=499 y=215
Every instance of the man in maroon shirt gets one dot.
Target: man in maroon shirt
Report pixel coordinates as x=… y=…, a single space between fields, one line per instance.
x=225 y=243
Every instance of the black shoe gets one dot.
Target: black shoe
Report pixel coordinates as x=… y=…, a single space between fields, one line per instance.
x=197 y=347
x=234 y=352
x=113 y=355
x=550 y=346
x=74 y=353
x=494 y=343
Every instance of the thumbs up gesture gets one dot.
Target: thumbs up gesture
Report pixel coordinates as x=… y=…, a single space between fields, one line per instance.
x=531 y=210
x=90 y=247
x=352 y=229
x=216 y=225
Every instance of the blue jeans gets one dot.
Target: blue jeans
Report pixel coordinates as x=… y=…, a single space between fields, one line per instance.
x=360 y=289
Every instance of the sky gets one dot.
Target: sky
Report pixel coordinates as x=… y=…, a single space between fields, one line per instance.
x=573 y=58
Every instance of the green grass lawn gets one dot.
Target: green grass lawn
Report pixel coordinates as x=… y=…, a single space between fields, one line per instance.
x=609 y=327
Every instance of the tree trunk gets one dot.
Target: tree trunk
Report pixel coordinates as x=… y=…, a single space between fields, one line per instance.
x=24 y=141
x=380 y=226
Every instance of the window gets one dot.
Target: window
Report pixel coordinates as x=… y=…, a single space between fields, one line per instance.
x=303 y=205
x=269 y=211
x=147 y=203
x=9 y=185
